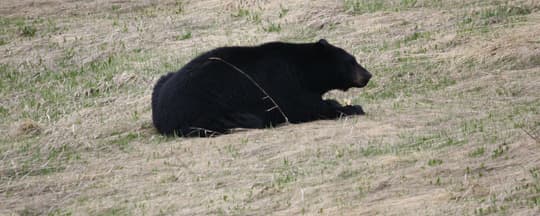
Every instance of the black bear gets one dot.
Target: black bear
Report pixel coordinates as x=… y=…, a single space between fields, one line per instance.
x=255 y=87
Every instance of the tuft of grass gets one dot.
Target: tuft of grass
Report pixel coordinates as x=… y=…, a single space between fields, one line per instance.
x=415 y=36
x=123 y=141
x=500 y=150
x=408 y=3
x=477 y=152
x=184 y=36
x=348 y=173
x=169 y=179
x=3 y=111
x=434 y=162
x=232 y=151
x=372 y=151
x=283 y=11
x=285 y=174
x=501 y=12
x=114 y=211
x=472 y=126
x=535 y=173
x=371 y=6
x=28 y=30
x=481 y=20
x=179 y=6
x=363 y=6
x=534 y=188
x=272 y=27
x=115 y=7
x=241 y=12
x=60 y=212
x=253 y=17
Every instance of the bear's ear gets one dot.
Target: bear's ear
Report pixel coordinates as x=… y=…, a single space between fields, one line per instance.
x=323 y=42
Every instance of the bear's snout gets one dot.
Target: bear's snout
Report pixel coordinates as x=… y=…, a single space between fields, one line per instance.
x=361 y=77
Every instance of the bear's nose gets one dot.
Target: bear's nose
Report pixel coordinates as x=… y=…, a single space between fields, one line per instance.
x=361 y=79
x=367 y=76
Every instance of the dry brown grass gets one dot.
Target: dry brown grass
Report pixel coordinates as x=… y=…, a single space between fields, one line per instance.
x=453 y=111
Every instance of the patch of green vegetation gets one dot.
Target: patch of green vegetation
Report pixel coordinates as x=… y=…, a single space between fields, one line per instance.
x=169 y=179
x=63 y=153
x=364 y=6
x=500 y=150
x=254 y=17
x=493 y=206
x=348 y=174
x=419 y=142
x=412 y=76
x=60 y=212
x=438 y=181
x=179 y=6
x=81 y=84
x=28 y=30
x=301 y=35
x=185 y=36
x=51 y=26
x=501 y=12
x=534 y=188
x=527 y=194
x=123 y=141
x=27 y=27
x=469 y=127
x=372 y=151
x=477 y=152
x=4 y=23
x=413 y=37
x=115 y=7
x=434 y=162
x=435 y=140
x=411 y=142
x=114 y=211
x=505 y=91
x=28 y=212
x=45 y=170
x=241 y=12
x=285 y=174
x=272 y=27
x=232 y=151
x=408 y=3
x=371 y=6
x=481 y=20
x=11 y=27
x=535 y=173
x=125 y=28
x=35 y=160
x=377 y=46
x=3 y=111
x=283 y=11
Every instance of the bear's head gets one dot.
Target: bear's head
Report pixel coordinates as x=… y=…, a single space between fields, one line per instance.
x=346 y=72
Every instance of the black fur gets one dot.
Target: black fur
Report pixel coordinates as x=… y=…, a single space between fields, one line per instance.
x=210 y=96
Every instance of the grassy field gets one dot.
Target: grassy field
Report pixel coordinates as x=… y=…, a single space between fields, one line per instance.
x=453 y=123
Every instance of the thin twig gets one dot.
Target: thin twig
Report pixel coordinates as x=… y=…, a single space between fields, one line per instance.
x=204 y=130
x=276 y=106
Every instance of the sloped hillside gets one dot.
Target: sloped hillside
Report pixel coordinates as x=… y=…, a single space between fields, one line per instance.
x=453 y=123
